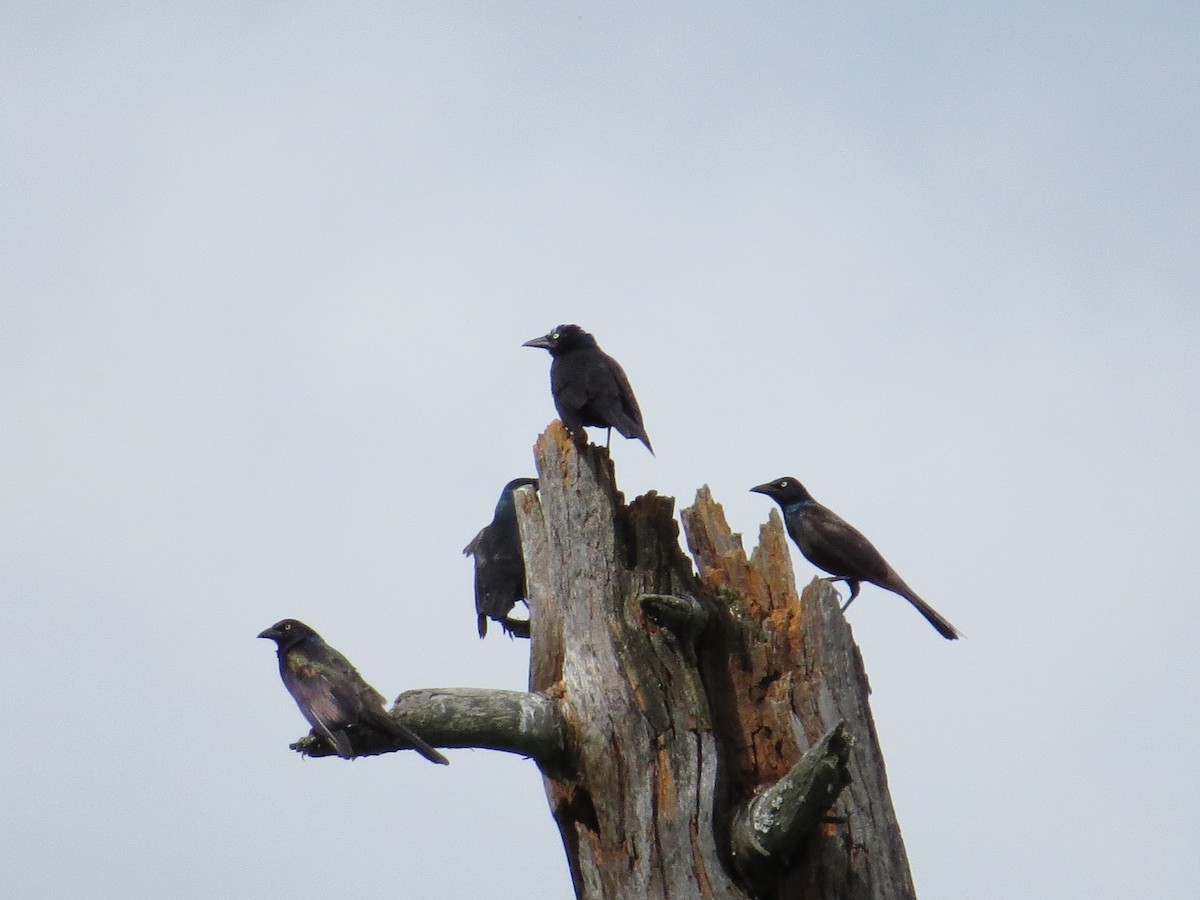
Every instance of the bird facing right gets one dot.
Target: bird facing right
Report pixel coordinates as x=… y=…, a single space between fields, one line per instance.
x=831 y=543
x=589 y=386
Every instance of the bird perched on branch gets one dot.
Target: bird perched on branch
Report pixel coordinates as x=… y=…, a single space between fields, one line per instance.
x=499 y=565
x=831 y=543
x=589 y=386
x=331 y=694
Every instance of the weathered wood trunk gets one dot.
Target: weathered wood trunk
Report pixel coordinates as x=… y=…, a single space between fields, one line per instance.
x=689 y=702
x=637 y=815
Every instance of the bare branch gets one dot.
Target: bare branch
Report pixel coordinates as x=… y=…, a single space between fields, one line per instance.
x=511 y=721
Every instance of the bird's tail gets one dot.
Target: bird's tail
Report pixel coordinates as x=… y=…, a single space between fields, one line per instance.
x=631 y=428
x=641 y=435
x=387 y=723
x=933 y=616
x=423 y=748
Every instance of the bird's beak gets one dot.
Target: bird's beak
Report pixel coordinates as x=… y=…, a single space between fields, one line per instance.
x=543 y=342
x=762 y=489
x=269 y=633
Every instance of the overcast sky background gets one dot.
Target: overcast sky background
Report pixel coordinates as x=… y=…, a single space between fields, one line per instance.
x=266 y=270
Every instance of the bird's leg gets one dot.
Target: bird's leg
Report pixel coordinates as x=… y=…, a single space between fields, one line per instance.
x=608 y=437
x=854 y=586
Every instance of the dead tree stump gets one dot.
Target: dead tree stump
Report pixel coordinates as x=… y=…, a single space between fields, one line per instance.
x=690 y=702
x=700 y=735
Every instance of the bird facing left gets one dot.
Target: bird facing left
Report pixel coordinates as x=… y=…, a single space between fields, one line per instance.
x=831 y=543
x=589 y=386
x=333 y=697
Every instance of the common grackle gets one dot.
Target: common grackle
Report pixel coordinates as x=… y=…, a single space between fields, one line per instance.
x=831 y=543
x=589 y=386
x=331 y=694
x=499 y=565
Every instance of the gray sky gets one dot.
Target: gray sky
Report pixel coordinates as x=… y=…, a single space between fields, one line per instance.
x=266 y=273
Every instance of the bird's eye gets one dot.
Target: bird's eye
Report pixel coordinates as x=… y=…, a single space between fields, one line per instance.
x=783 y=483
x=287 y=627
x=554 y=336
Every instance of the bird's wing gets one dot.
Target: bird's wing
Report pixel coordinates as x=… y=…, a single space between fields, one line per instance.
x=477 y=545
x=621 y=382
x=498 y=586
x=323 y=698
x=339 y=738
x=833 y=544
x=481 y=548
x=352 y=689
x=620 y=405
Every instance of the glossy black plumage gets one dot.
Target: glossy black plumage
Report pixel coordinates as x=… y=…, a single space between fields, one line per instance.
x=499 y=565
x=331 y=694
x=589 y=386
x=831 y=543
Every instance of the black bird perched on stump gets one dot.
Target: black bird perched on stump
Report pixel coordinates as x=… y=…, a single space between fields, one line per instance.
x=589 y=386
x=831 y=543
x=331 y=693
x=499 y=565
